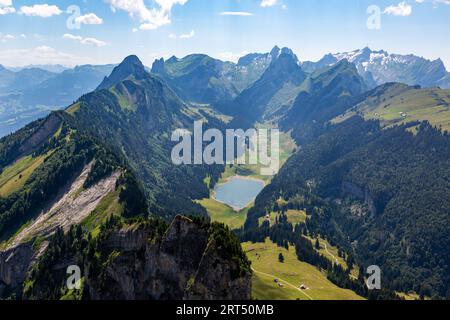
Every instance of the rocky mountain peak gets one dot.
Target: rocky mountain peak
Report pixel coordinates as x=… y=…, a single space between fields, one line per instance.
x=275 y=52
x=158 y=66
x=172 y=59
x=130 y=66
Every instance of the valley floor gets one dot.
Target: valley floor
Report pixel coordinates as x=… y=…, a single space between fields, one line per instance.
x=291 y=274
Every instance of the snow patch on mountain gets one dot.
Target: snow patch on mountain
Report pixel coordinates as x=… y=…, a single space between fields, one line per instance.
x=378 y=67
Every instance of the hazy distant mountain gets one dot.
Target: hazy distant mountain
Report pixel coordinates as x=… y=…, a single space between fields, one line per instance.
x=378 y=67
x=276 y=89
x=13 y=82
x=252 y=66
x=55 y=68
x=202 y=79
x=6 y=77
x=29 y=94
x=445 y=82
x=67 y=86
x=197 y=78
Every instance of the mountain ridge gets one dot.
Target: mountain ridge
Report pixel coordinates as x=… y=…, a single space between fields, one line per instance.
x=130 y=66
x=267 y=95
x=49 y=93
x=381 y=67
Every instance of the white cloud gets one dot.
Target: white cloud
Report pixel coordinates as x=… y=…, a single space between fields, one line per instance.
x=6 y=37
x=150 y=18
x=183 y=36
x=436 y=3
x=268 y=3
x=6 y=7
x=85 y=41
x=402 y=9
x=90 y=18
x=72 y=37
x=41 y=55
x=94 y=42
x=188 y=35
x=40 y=10
x=6 y=10
x=236 y=13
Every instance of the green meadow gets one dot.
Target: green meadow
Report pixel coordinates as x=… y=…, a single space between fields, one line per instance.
x=14 y=177
x=222 y=213
x=406 y=105
x=291 y=274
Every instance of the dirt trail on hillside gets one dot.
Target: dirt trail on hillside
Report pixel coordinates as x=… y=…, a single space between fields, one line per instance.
x=288 y=283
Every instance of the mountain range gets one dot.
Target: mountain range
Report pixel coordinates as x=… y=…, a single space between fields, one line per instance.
x=94 y=184
x=55 y=68
x=31 y=93
x=378 y=67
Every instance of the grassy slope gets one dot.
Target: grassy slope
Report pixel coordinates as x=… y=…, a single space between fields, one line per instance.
x=293 y=216
x=411 y=105
x=292 y=273
x=331 y=253
x=73 y=108
x=6 y=240
x=15 y=176
x=109 y=206
x=410 y=296
x=220 y=212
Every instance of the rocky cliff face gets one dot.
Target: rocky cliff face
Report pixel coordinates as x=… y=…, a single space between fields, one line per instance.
x=45 y=131
x=216 y=279
x=184 y=264
x=67 y=209
x=362 y=194
x=144 y=260
x=14 y=265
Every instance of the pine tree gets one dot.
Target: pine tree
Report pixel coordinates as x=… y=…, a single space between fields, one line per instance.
x=317 y=245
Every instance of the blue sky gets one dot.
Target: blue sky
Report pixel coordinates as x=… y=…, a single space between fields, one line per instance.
x=37 y=32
